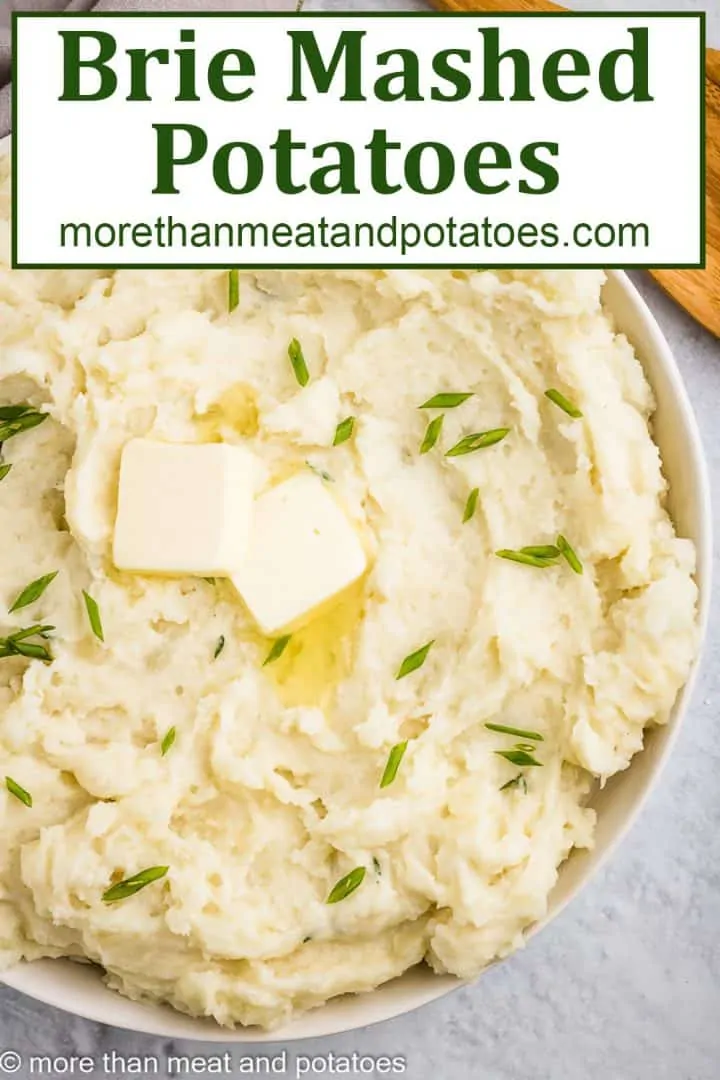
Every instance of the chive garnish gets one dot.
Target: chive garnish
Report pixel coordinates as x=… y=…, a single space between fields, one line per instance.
x=471 y=504
x=134 y=884
x=219 y=647
x=520 y=733
x=524 y=558
x=517 y=781
x=518 y=756
x=297 y=359
x=414 y=661
x=4 y=470
x=477 y=441
x=569 y=555
x=347 y=885
x=563 y=403
x=30 y=650
x=17 y=418
x=393 y=763
x=278 y=648
x=18 y=645
x=344 y=430
x=376 y=865
x=14 y=412
x=168 y=740
x=41 y=630
x=542 y=551
x=445 y=401
x=33 y=592
x=94 y=616
x=432 y=434
x=19 y=792
x=233 y=289
x=320 y=472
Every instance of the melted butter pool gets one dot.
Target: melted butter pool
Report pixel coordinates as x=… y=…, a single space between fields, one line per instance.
x=320 y=655
x=236 y=408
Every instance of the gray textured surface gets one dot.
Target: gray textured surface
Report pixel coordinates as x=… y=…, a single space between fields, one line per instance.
x=625 y=985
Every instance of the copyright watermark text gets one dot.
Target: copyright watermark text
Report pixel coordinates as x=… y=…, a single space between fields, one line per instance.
x=225 y=1064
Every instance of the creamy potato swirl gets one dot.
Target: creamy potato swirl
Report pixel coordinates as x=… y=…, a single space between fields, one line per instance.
x=270 y=792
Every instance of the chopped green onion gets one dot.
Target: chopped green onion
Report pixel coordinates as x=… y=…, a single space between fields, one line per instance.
x=569 y=555
x=563 y=403
x=134 y=884
x=520 y=733
x=17 y=418
x=320 y=472
x=344 y=430
x=4 y=470
x=471 y=504
x=14 y=412
x=347 y=885
x=19 y=792
x=521 y=758
x=233 y=289
x=18 y=645
x=542 y=551
x=524 y=558
x=517 y=781
x=376 y=866
x=168 y=741
x=219 y=647
x=393 y=763
x=477 y=441
x=278 y=648
x=28 y=649
x=297 y=359
x=30 y=631
x=414 y=661
x=32 y=592
x=94 y=616
x=432 y=434
x=445 y=401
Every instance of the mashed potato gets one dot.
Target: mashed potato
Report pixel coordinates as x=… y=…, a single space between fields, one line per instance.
x=271 y=791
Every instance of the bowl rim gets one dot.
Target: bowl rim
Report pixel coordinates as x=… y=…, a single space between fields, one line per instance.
x=107 y=1006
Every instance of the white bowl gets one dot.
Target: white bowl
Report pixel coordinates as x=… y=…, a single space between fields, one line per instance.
x=78 y=988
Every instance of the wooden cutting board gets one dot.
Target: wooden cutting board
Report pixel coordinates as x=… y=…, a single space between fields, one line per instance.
x=698 y=291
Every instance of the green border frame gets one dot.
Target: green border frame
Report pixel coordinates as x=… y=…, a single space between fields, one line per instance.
x=639 y=16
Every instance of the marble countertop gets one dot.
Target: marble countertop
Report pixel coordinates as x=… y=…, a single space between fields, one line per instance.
x=625 y=984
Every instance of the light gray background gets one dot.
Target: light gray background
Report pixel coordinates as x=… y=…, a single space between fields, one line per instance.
x=625 y=985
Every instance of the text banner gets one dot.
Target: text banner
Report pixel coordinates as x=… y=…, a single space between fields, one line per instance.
x=391 y=140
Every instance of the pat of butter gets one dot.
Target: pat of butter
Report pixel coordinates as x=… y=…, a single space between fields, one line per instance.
x=303 y=552
x=183 y=509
